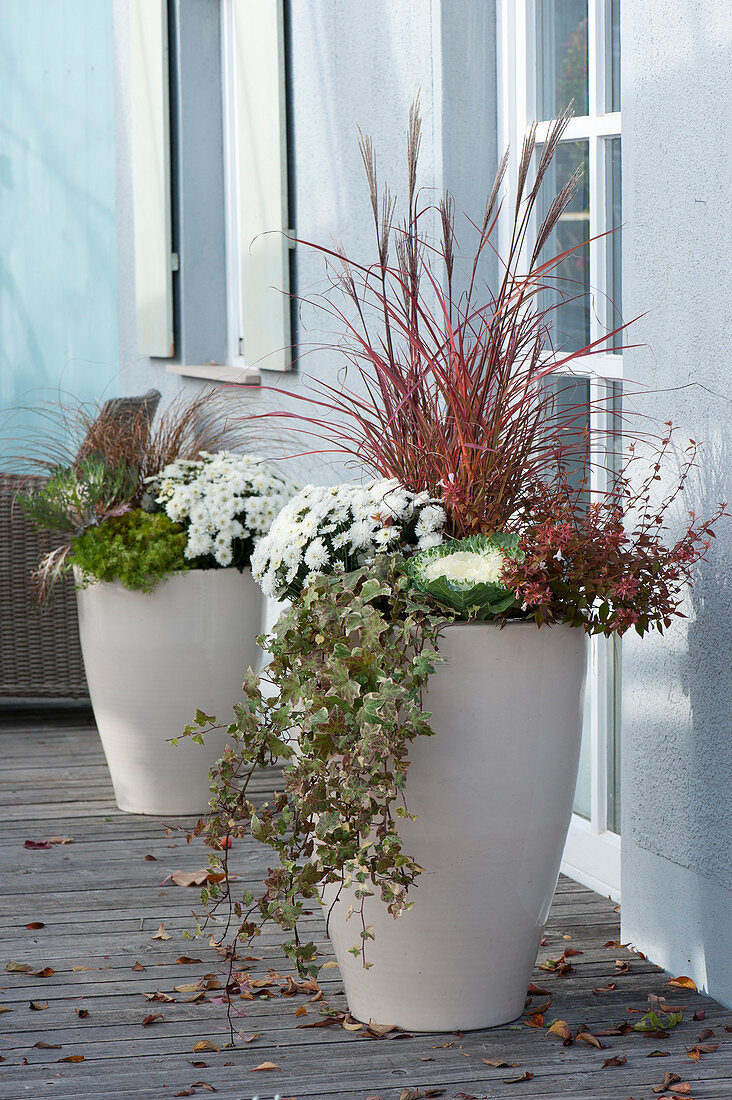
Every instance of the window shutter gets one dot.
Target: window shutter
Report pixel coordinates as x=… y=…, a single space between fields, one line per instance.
x=150 y=134
x=261 y=170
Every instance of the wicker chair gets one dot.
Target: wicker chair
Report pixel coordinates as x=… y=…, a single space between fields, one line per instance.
x=40 y=653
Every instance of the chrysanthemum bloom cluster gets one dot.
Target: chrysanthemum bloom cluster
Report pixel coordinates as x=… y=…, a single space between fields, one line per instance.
x=227 y=502
x=340 y=528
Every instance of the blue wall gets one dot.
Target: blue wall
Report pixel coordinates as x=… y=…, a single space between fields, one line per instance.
x=58 y=250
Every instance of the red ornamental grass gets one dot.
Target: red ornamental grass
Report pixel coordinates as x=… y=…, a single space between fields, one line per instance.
x=455 y=387
x=456 y=394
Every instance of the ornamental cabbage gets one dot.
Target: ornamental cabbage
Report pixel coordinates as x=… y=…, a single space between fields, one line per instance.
x=466 y=574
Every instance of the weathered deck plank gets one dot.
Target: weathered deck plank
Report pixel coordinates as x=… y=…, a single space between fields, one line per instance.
x=101 y=901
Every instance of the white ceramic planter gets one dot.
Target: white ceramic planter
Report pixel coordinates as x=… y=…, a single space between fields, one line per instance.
x=151 y=660
x=493 y=791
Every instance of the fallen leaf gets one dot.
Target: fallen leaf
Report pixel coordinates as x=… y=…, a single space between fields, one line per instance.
x=536 y=990
x=74 y=968
x=302 y=1011
x=188 y=878
x=37 y=1006
x=699 y=1015
x=204 y=1044
x=616 y=1060
x=47 y=1046
x=560 y=1028
x=682 y=982
x=655 y=1022
x=199 y=1065
x=352 y=1025
x=45 y=972
x=585 y=1036
x=497 y=1063
x=622 y=1029
x=329 y=966
x=4 y=1008
x=537 y=1020
x=152 y=1018
x=82 y=1013
x=605 y=988
x=659 y=1054
x=525 y=1076
x=434 y=1092
x=35 y=924
x=58 y=840
x=669 y=1079
x=622 y=966
x=36 y=845
x=264 y=1066
x=17 y=968
x=138 y=966
x=203 y=1085
x=185 y=1092
x=568 y=951
x=615 y=943
x=698 y=1049
x=410 y=1094
x=161 y=934
x=158 y=996
x=189 y=987
x=705 y=1034
x=200 y=996
x=149 y=857
x=71 y=1058
x=185 y=960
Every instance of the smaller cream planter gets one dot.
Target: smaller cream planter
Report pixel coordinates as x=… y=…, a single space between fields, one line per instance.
x=493 y=791
x=151 y=659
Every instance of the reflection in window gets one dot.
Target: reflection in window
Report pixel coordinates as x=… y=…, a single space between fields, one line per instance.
x=561 y=57
x=568 y=291
x=614 y=207
x=612 y=62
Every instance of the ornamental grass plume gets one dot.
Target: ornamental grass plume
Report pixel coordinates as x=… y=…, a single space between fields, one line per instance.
x=455 y=393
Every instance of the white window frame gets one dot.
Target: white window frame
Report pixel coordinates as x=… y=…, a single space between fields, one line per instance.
x=255 y=174
x=592 y=852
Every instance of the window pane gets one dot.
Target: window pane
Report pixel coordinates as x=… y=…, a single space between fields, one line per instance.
x=615 y=240
x=612 y=38
x=567 y=284
x=561 y=57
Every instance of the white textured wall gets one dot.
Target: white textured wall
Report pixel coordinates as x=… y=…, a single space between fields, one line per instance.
x=677 y=749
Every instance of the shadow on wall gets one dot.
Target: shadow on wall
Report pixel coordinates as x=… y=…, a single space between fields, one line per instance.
x=706 y=677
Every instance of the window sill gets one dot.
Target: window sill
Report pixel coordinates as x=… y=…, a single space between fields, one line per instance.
x=217 y=372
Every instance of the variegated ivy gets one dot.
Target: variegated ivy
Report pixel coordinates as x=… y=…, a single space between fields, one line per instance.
x=347 y=667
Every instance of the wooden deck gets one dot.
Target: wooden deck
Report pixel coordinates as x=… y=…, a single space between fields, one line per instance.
x=101 y=898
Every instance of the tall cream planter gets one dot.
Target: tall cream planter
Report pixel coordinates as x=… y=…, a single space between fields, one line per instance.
x=151 y=660
x=493 y=792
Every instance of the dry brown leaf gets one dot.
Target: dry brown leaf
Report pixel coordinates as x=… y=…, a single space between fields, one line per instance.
x=616 y=1060
x=329 y=966
x=498 y=1063
x=203 y=1085
x=561 y=1029
x=605 y=988
x=659 y=1054
x=615 y=943
x=682 y=982
x=622 y=966
x=264 y=1066
x=302 y=1011
x=707 y=1033
x=698 y=1049
x=525 y=1076
x=152 y=1018
x=161 y=934
x=4 y=1008
x=185 y=960
x=189 y=987
x=71 y=1058
x=200 y=996
x=536 y=990
x=37 y=1006
x=138 y=966
x=410 y=1094
x=537 y=1020
x=158 y=996
x=584 y=1036
x=185 y=1092
x=47 y=1046
x=35 y=924
x=668 y=1080
x=188 y=878
x=149 y=857
x=204 y=1044
x=45 y=972
x=17 y=968
x=82 y=1013
x=75 y=968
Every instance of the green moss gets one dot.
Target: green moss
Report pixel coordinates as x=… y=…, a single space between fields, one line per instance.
x=137 y=549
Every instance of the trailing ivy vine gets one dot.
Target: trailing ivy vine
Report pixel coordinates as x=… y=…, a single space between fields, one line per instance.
x=340 y=703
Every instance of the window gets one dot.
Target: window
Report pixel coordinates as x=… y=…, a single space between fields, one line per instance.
x=551 y=52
